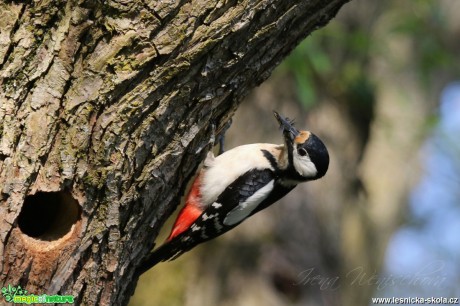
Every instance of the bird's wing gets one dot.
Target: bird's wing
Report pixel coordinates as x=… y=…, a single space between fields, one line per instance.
x=248 y=194
x=277 y=193
x=238 y=200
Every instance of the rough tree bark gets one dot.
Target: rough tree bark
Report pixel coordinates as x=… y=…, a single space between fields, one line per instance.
x=104 y=116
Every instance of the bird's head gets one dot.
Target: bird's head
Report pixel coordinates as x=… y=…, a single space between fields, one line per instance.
x=307 y=154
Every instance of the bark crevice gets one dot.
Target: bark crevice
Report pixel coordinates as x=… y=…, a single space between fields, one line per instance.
x=113 y=104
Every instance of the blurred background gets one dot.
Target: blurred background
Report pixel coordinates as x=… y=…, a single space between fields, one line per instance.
x=380 y=86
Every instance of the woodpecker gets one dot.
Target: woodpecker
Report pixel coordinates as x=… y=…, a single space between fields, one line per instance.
x=239 y=183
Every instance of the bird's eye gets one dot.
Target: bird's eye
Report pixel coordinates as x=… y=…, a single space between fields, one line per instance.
x=302 y=152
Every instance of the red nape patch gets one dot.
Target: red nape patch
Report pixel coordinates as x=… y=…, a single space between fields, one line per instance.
x=190 y=212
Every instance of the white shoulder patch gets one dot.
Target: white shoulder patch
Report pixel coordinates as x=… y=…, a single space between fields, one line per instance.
x=243 y=210
x=221 y=171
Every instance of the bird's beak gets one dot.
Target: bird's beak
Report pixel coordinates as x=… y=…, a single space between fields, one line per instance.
x=289 y=131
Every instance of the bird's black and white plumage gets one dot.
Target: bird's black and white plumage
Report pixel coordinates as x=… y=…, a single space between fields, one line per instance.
x=240 y=182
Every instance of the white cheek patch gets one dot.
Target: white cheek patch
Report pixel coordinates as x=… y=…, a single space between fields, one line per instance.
x=303 y=165
x=244 y=209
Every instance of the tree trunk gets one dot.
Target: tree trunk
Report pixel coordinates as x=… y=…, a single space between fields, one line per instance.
x=105 y=111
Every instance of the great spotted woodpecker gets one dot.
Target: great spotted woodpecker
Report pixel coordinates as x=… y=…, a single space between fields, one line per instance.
x=240 y=182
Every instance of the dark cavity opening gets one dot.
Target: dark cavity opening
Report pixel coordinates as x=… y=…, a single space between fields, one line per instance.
x=48 y=215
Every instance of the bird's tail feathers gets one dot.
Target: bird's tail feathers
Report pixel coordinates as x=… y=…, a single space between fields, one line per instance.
x=168 y=251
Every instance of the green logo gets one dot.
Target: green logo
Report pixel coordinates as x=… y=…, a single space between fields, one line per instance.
x=10 y=292
x=19 y=295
